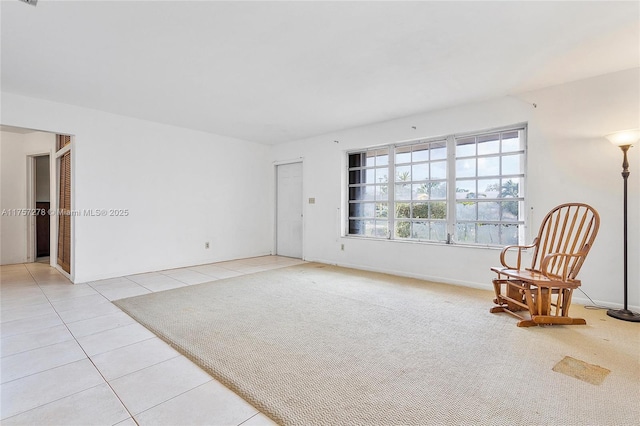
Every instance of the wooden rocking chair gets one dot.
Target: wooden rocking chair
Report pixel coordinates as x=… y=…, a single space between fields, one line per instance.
x=544 y=290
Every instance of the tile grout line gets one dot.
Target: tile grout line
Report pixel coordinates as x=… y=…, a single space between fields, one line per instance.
x=180 y=394
x=256 y=414
x=39 y=347
x=59 y=399
x=85 y=353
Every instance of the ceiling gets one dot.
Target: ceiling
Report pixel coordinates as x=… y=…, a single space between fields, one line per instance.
x=273 y=72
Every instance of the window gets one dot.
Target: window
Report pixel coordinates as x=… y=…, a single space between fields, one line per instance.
x=489 y=182
x=369 y=193
x=465 y=189
x=421 y=191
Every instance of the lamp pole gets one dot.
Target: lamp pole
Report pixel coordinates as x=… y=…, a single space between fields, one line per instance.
x=625 y=314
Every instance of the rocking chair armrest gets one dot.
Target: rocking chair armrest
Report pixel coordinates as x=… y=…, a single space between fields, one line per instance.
x=558 y=260
x=504 y=251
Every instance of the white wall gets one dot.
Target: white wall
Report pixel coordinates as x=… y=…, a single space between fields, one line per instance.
x=15 y=148
x=568 y=160
x=181 y=188
x=43 y=184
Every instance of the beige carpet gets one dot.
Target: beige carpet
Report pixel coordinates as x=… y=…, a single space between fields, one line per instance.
x=315 y=344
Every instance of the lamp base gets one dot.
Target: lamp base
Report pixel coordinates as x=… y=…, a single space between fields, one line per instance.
x=624 y=314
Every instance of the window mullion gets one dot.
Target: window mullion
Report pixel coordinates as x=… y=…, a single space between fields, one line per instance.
x=391 y=191
x=451 y=187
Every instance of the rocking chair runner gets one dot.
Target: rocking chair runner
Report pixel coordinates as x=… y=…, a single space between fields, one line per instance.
x=545 y=289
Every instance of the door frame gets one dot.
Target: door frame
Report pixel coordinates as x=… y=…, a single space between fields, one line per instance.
x=275 y=202
x=54 y=252
x=31 y=204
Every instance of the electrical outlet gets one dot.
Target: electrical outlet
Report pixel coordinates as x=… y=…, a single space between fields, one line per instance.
x=206 y=245
x=342 y=247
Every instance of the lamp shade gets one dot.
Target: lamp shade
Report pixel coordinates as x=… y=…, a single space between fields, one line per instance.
x=625 y=137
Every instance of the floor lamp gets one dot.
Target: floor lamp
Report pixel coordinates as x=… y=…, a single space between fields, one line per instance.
x=624 y=140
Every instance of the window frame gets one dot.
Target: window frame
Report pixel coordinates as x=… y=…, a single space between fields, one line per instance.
x=451 y=220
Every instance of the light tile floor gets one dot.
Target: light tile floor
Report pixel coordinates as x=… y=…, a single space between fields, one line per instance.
x=70 y=357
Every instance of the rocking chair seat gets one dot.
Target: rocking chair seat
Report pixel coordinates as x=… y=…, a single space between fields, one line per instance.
x=535 y=277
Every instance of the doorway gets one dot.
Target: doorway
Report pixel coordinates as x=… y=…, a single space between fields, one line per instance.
x=289 y=219
x=28 y=157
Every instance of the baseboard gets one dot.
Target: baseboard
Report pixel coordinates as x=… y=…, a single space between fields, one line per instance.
x=433 y=278
x=577 y=300
x=158 y=268
x=599 y=303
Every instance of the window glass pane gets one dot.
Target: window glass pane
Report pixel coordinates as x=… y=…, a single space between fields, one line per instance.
x=438 y=190
x=403 y=229
x=466 y=232
x=369 y=175
x=488 y=233
x=403 y=192
x=438 y=231
x=438 y=210
x=357 y=176
x=465 y=189
x=420 y=153
x=509 y=234
x=489 y=166
x=356 y=227
x=439 y=170
x=381 y=192
x=512 y=164
x=420 y=211
x=466 y=168
x=466 y=211
x=511 y=142
x=466 y=147
x=381 y=229
x=355 y=159
x=382 y=210
x=370 y=159
x=489 y=144
x=438 y=150
x=510 y=188
x=362 y=193
x=403 y=154
x=489 y=211
x=489 y=188
x=510 y=210
x=356 y=210
x=420 y=191
x=420 y=171
x=382 y=157
x=368 y=210
x=369 y=227
x=420 y=230
x=382 y=175
x=403 y=174
x=403 y=210
x=356 y=193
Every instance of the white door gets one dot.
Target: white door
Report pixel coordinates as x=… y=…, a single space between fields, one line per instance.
x=289 y=210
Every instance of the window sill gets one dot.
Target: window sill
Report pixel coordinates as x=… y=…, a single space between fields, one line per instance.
x=428 y=243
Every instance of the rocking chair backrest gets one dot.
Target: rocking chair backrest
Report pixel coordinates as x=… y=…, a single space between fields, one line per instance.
x=570 y=229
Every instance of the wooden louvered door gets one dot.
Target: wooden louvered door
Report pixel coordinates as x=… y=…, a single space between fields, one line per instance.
x=64 y=205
